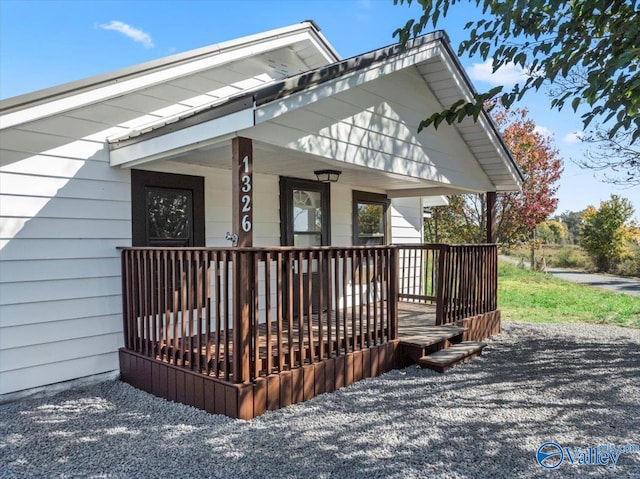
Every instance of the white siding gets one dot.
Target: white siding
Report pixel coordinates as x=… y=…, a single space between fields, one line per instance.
x=406 y=220
x=375 y=126
x=63 y=212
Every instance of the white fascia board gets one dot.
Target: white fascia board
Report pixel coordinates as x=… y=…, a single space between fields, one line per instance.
x=430 y=201
x=430 y=191
x=180 y=141
x=112 y=90
x=340 y=84
x=483 y=121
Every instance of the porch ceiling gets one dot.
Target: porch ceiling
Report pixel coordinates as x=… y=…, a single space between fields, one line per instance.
x=274 y=160
x=360 y=116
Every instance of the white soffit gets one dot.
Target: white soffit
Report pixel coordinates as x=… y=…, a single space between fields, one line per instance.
x=74 y=95
x=176 y=142
x=345 y=82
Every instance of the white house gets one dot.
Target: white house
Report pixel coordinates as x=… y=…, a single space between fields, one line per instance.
x=78 y=164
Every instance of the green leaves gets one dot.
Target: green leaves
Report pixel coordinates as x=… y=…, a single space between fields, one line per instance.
x=553 y=39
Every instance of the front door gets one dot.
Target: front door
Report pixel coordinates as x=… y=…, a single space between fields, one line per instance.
x=304 y=220
x=167 y=209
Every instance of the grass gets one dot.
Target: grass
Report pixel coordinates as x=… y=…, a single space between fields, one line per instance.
x=526 y=295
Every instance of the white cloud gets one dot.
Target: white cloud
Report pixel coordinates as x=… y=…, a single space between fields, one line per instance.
x=572 y=138
x=544 y=131
x=133 y=33
x=507 y=75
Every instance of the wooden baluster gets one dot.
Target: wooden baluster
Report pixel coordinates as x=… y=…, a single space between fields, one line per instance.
x=321 y=279
x=309 y=298
x=279 y=312
x=301 y=345
x=267 y=307
x=289 y=265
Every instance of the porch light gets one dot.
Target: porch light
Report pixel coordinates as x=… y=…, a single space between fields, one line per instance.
x=327 y=176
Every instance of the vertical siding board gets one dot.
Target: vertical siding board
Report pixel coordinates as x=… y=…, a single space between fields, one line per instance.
x=198 y=392
x=209 y=396
x=259 y=396
x=329 y=375
x=308 y=380
x=273 y=391
x=220 y=398
x=286 y=388
x=319 y=381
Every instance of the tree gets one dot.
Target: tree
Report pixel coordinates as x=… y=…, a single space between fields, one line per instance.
x=573 y=220
x=518 y=213
x=605 y=230
x=616 y=156
x=552 y=232
x=591 y=48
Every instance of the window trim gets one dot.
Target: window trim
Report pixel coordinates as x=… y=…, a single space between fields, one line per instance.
x=287 y=185
x=141 y=179
x=369 y=198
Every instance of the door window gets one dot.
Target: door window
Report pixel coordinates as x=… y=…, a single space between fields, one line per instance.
x=369 y=218
x=304 y=207
x=167 y=209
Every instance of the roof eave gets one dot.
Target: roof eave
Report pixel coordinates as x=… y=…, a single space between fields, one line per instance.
x=16 y=103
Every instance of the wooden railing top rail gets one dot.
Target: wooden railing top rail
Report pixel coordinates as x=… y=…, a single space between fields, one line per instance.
x=255 y=248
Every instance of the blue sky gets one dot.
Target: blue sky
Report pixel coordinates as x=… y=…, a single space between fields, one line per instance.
x=45 y=43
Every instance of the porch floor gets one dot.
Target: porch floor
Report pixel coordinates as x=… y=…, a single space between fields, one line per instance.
x=415 y=322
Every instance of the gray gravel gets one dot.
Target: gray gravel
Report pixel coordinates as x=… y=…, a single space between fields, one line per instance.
x=578 y=385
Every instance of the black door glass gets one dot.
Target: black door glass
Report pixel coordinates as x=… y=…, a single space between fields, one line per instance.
x=169 y=216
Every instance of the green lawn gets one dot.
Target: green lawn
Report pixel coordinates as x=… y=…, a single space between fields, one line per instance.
x=525 y=295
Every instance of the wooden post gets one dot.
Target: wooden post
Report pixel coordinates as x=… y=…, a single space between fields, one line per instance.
x=242 y=191
x=393 y=292
x=440 y=286
x=491 y=217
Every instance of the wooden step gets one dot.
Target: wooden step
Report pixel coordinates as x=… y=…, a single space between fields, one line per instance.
x=446 y=358
x=431 y=336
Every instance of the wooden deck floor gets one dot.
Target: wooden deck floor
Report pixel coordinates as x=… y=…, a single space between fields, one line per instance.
x=415 y=320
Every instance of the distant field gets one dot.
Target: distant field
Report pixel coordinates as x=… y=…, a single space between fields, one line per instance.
x=565 y=256
x=525 y=295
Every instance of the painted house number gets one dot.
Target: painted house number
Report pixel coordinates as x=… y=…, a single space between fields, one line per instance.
x=245 y=199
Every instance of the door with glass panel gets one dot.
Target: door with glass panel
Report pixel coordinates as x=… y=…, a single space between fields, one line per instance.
x=167 y=209
x=304 y=221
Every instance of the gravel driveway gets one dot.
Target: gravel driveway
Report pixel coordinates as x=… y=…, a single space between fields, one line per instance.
x=577 y=385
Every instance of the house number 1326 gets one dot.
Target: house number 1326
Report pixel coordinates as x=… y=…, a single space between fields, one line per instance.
x=245 y=199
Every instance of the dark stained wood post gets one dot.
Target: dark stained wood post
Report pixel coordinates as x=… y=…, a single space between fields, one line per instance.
x=242 y=207
x=491 y=217
x=242 y=182
x=394 y=267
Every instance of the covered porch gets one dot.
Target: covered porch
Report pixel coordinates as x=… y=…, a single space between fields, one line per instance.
x=303 y=321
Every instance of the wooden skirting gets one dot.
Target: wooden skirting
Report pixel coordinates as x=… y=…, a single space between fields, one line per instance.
x=248 y=400
x=481 y=326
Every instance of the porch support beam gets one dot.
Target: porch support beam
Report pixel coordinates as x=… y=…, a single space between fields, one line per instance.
x=491 y=217
x=242 y=190
x=242 y=205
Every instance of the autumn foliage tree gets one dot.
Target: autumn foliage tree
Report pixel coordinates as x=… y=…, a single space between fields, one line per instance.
x=517 y=213
x=606 y=230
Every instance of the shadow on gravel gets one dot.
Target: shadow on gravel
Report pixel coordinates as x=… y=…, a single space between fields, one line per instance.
x=484 y=419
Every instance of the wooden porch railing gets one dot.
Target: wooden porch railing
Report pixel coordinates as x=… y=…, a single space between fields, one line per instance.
x=461 y=280
x=240 y=313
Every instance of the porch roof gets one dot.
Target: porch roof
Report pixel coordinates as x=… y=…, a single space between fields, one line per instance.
x=264 y=112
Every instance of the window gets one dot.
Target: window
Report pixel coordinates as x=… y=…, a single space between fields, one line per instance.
x=369 y=218
x=167 y=209
x=304 y=210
